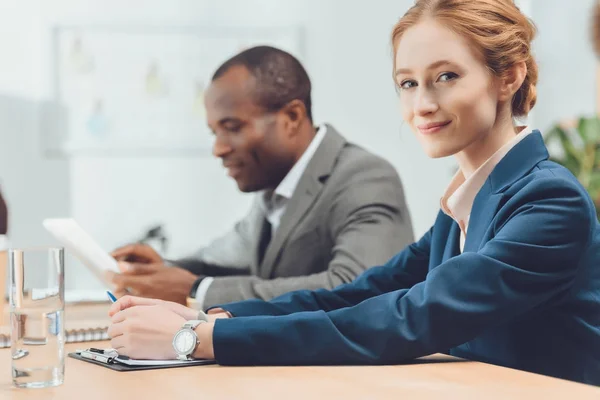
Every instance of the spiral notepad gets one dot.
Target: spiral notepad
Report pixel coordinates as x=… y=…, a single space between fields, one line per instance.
x=88 y=334
x=85 y=320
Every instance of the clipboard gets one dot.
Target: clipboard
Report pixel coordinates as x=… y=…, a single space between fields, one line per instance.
x=118 y=363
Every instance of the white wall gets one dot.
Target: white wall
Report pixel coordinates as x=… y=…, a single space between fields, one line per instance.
x=349 y=60
x=567 y=85
x=33 y=186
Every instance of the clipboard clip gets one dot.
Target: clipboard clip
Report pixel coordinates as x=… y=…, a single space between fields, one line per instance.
x=104 y=356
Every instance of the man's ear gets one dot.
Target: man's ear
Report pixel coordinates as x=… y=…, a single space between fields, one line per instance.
x=295 y=113
x=512 y=81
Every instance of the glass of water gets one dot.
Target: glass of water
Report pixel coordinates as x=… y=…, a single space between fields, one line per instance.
x=36 y=316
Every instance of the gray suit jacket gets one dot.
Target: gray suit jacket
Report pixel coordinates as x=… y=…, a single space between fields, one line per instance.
x=348 y=213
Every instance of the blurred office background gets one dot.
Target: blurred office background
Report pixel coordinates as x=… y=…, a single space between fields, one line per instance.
x=117 y=195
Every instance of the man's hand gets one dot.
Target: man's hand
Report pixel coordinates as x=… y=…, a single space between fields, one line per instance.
x=153 y=280
x=138 y=253
x=145 y=332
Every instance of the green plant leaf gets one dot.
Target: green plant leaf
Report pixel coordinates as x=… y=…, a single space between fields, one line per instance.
x=589 y=129
x=580 y=146
x=594 y=186
x=572 y=157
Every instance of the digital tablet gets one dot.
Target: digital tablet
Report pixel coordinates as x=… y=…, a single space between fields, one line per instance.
x=81 y=245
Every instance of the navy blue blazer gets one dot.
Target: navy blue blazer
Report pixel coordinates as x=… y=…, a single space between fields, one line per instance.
x=525 y=292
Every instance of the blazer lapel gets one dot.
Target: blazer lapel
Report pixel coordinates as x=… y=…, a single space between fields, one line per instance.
x=307 y=191
x=452 y=248
x=517 y=163
x=256 y=226
x=484 y=208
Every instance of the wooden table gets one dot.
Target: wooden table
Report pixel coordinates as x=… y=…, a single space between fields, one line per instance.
x=434 y=378
x=430 y=378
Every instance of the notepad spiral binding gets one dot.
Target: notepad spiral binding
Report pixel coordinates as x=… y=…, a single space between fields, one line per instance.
x=72 y=336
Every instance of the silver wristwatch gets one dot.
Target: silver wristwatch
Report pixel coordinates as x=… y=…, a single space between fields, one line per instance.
x=186 y=340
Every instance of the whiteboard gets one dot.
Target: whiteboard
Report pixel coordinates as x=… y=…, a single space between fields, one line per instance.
x=136 y=91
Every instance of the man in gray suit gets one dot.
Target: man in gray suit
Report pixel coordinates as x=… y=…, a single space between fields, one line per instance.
x=326 y=209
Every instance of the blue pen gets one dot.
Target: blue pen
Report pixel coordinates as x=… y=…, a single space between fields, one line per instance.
x=111 y=296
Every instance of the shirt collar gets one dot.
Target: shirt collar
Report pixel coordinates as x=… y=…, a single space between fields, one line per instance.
x=459 y=196
x=288 y=185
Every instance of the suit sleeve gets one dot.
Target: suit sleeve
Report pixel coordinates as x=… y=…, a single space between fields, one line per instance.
x=531 y=260
x=369 y=222
x=404 y=270
x=229 y=254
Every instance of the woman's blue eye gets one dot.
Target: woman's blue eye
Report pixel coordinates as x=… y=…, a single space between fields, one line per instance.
x=447 y=76
x=407 y=84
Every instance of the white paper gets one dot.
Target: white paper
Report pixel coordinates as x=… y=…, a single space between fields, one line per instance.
x=135 y=362
x=78 y=242
x=131 y=361
x=85 y=295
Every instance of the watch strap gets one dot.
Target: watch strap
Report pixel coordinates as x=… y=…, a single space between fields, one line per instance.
x=202 y=316
x=192 y=324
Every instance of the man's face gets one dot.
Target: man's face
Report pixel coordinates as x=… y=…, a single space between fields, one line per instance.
x=253 y=143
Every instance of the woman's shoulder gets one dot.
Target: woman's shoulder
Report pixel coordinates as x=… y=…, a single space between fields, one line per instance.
x=551 y=189
x=548 y=176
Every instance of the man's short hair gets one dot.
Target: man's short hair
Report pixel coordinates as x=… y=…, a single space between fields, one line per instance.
x=280 y=78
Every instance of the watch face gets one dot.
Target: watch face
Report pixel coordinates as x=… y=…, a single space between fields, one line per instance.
x=185 y=341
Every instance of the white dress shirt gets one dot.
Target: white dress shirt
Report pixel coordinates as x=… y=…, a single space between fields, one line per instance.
x=458 y=198
x=274 y=202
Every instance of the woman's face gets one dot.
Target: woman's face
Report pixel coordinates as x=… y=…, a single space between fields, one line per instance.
x=447 y=94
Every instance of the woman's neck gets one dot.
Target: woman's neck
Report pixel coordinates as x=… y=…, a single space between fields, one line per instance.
x=478 y=152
